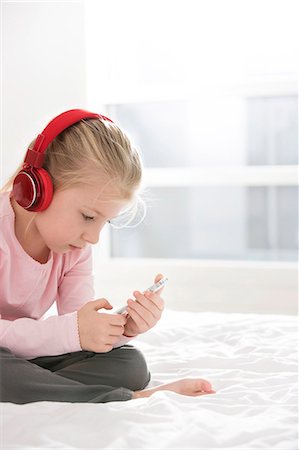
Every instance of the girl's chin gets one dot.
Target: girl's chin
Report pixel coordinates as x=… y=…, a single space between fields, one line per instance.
x=72 y=247
x=63 y=250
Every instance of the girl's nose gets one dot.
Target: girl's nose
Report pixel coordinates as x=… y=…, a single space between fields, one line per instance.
x=92 y=234
x=91 y=239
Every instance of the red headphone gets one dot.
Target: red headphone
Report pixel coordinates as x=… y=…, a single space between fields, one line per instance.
x=32 y=187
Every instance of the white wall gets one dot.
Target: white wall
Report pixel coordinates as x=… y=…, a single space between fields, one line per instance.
x=43 y=71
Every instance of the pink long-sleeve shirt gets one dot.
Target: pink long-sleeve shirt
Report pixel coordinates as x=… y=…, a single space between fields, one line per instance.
x=29 y=288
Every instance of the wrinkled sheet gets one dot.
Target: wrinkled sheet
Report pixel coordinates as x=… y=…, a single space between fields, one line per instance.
x=250 y=359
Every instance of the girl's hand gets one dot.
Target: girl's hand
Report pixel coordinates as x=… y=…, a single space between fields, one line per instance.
x=98 y=332
x=144 y=312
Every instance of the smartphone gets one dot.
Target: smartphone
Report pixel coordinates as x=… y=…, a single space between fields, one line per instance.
x=154 y=288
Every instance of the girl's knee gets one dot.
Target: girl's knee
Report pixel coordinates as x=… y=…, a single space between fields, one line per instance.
x=138 y=375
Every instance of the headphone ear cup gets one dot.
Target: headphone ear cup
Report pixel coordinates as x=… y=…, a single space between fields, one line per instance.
x=45 y=190
x=33 y=189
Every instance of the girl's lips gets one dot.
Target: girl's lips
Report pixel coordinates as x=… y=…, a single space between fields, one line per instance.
x=73 y=247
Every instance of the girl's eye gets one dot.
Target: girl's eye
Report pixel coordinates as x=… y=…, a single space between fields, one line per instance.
x=87 y=218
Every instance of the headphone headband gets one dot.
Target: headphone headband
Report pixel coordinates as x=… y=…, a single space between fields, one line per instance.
x=32 y=187
x=35 y=156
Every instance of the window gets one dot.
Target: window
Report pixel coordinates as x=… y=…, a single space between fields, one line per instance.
x=219 y=219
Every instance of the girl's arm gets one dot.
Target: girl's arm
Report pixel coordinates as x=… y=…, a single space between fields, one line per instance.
x=56 y=335
x=33 y=337
x=30 y=338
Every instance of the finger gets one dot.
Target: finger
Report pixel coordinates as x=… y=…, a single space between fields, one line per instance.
x=205 y=393
x=145 y=308
x=116 y=330
x=111 y=339
x=158 y=277
x=206 y=386
x=107 y=348
x=137 y=314
x=114 y=337
x=155 y=298
x=147 y=304
x=117 y=319
x=100 y=303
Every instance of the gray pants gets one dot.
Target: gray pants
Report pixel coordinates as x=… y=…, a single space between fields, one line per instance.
x=73 y=377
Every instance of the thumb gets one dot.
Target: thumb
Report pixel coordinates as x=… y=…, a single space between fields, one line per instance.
x=101 y=303
x=158 y=277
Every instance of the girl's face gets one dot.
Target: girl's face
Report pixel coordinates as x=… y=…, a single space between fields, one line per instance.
x=76 y=217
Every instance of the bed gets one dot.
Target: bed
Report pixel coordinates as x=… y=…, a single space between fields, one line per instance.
x=250 y=359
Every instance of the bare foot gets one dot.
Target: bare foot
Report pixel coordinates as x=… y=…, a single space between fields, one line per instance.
x=193 y=387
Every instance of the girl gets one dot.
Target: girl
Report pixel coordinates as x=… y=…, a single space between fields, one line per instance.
x=79 y=173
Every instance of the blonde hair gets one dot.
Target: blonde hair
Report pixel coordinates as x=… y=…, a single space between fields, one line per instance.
x=89 y=151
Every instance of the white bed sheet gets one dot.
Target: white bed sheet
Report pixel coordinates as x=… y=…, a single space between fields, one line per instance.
x=250 y=359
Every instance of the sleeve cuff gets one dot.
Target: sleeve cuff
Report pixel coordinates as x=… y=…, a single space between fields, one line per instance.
x=73 y=335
